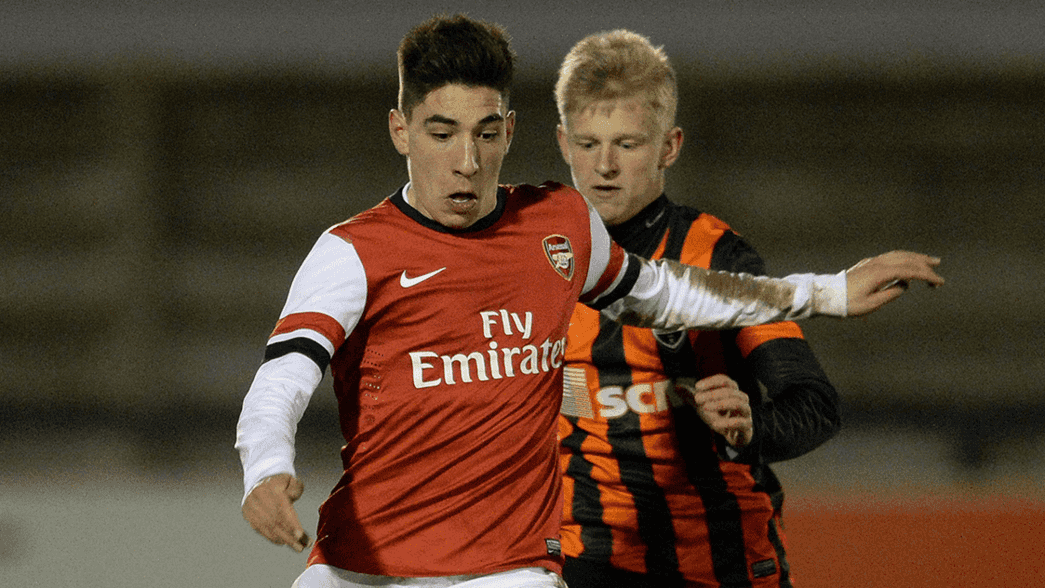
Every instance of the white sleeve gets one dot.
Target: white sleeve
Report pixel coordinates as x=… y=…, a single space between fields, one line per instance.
x=331 y=282
x=325 y=303
x=600 y=250
x=269 y=419
x=672 y=296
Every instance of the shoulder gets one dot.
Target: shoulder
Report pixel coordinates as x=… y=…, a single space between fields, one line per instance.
x=545 y=190
x=700 y=221
x=370 y=219
x=731 y=252
x=694 y=236
x=554 y=201
x=711 y=243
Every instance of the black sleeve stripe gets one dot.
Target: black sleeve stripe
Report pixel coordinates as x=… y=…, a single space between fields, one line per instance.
x=631 y=275
x=302 y=345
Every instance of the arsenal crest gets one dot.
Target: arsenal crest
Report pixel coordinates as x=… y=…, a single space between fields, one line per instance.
x=560 y=254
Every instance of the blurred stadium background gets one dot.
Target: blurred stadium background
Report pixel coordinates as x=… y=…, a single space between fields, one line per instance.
x=165 y=166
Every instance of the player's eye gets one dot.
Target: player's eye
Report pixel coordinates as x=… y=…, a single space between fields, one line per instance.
x=440 y=132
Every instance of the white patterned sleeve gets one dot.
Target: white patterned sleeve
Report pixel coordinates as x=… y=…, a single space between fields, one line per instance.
x=673 y=296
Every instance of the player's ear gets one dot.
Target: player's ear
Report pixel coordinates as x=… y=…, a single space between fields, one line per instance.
x=564 y=144
x=671 y=147
x=400 y=131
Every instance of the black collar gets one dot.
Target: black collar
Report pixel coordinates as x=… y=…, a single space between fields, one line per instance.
x=642 y=233
x=399 y=200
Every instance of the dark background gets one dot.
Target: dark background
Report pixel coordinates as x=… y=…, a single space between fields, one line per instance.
x=164 y=167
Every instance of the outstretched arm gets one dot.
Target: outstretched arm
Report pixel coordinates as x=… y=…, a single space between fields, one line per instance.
x=667 y=295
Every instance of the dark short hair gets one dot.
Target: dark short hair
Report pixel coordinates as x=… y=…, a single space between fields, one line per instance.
x=453 y=50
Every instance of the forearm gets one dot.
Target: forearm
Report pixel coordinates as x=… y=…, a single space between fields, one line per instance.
x=271 y=410
x=803 y=408
x=671 y=296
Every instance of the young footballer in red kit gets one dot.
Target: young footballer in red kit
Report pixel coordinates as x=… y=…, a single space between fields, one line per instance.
x=442 y=315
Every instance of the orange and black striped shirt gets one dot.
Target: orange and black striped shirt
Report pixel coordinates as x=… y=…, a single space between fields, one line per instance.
x=649 y=488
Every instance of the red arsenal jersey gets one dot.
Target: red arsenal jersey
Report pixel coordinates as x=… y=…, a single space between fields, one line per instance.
x=448 y=385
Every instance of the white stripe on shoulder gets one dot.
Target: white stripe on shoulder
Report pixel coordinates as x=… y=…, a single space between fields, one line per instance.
x=331 y=281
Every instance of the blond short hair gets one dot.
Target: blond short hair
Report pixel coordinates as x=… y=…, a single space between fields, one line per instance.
x=616 y=65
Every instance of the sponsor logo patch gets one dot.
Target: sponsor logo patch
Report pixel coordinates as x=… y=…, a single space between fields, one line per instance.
x=554 y=547
x=560 y=255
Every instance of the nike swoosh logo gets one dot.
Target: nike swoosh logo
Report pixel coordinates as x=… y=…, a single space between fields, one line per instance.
x=654 y=220
x=406 y=282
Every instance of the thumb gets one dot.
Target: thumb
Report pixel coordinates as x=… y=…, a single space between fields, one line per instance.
x=295 y=488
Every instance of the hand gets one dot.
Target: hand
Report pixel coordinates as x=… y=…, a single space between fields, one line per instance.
x=878 y=280
x=723 y=407
x=269 y=510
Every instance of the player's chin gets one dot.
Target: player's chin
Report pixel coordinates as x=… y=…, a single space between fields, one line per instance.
x=457 y=220
x=603 y=194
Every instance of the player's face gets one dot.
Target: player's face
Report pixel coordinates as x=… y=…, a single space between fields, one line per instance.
x=454 y=143
x=617 y=153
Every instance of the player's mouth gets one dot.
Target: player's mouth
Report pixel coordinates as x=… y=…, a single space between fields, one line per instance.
x=462 y=202
x=605 y=190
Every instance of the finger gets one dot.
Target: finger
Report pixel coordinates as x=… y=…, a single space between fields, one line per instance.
x=723 y=397
x=731 y=427
x=732 y=437
x=921 y=268
x=726 y=406
x=287 y=533
x=290 y=531
x=901 y=284
x=723 y=415
x=290 y=538
x=730 y=422
x=740 y=437
x=907 y=265
x=714 y=382
x=299 y=541
x=735 y=424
